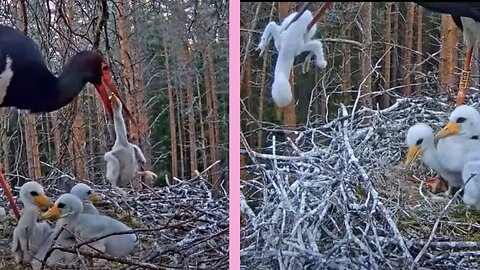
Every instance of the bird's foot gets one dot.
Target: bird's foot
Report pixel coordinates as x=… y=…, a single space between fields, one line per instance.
x=437 y=184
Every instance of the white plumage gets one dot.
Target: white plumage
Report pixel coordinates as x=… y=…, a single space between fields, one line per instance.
x=463 y=155
x=420 y=141
x=87 y=196
x=290 y=42
x=68 y=208
x=122 y=160
x=29 y=235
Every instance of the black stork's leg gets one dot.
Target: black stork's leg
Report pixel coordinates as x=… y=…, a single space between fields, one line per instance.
x=465 y=78
x=8 y=193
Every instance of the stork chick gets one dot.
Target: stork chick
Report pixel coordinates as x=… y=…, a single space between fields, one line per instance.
x=292 y=42
x=122 y=160
x=29 y=235
x=68 y=208
x=87 y=196
x=420 y=142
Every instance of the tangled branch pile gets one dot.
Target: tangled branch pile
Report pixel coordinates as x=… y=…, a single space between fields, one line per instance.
x=182 y=226
x=339 y=198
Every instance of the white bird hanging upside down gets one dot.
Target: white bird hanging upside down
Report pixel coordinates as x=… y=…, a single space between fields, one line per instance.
x=122 y=160
x=290 y=42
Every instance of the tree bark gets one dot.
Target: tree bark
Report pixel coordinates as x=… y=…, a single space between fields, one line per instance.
x=187 y=58
x=77 y=147
x=418 y=57
x=290 y=117
x=346 y=31
x=385 y=99
x=31 y=140
x=366 y=61
x=263 y=87
x=407 y=58
x=127 y=71
x=216 y=170
x=141 y=96
x=249 y=95
x=448 y=53
x=395 y=56
x=171 y=109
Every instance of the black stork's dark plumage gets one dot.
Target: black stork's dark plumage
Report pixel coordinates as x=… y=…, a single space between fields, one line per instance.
x=27 y=84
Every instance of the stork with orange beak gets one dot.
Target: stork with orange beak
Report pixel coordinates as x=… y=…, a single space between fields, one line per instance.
x=27 y=84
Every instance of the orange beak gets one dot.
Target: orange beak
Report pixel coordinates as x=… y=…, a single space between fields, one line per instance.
x=102 y=91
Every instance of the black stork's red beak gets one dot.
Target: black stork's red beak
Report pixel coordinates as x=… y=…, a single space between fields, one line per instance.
x=102 y=91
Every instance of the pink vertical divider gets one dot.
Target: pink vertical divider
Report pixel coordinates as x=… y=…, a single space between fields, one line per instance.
x=234 y=133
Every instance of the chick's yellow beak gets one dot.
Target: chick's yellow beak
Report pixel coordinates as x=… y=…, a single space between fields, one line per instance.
x=42 y=201
x=450 y=129
x=52 y=213
x=412 y=153
x=95 y=198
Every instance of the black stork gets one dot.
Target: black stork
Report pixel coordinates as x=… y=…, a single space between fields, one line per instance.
x=27 y=84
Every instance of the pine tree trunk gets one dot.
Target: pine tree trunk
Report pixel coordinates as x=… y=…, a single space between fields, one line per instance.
x=187 y=58
x=448 y=53
x=77 y=149
x=395 y=54
x=216 y=155
x=366 y=62
x=385 y=99
x=201 y=123
x=212 y=143
x=407 y=56
x=289 y=113
x=249 y=96
x=171 y=109
x=127 y=76
x=346 y=31
x=141 y=96
x=29 y=120
x=263 y=88
x=418 y=58
x=180 y=97
x=127 y=72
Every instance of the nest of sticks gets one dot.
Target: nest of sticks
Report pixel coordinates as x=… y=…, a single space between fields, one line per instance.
x=339 y=197
x=181 y=226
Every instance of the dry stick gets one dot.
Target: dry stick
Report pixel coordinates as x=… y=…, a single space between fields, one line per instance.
x=363 y=174
x=435 y=226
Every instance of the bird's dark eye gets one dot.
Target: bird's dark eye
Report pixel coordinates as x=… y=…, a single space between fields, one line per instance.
x=89 y=192
x=34 y=193
x=474 y=137
x=419 y=141
x=61 y=205
x=461 y=120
